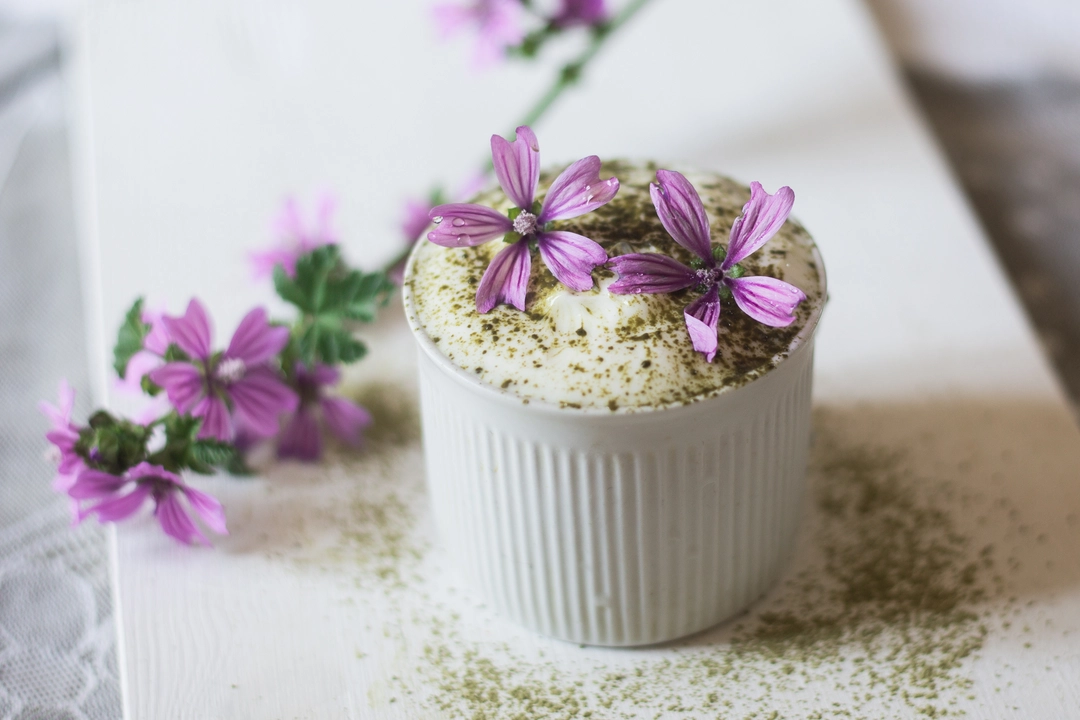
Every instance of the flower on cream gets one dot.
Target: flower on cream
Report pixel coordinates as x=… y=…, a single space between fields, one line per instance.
x=714 y=272
x=570 y=257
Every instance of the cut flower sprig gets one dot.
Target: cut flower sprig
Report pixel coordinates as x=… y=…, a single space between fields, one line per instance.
x=528 y=226
x=268 y=385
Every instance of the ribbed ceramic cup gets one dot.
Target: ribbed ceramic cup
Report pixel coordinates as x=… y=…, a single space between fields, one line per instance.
x=612 y=528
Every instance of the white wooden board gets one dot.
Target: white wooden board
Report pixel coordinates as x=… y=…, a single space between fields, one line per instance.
x=331 y=597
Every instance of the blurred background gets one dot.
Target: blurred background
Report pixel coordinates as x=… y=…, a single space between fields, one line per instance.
x=997 y=81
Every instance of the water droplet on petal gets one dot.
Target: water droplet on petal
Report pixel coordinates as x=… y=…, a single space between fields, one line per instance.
x=463 y=239
x=431 y=237
x=588 y=188
x=437 y=219
x=458 y=222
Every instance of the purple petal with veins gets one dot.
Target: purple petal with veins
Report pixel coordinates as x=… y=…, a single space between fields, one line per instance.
x=761 y=218
x=216 y=422
x=259 y=398
x=208 y=508
x=175 y=521
x=571 y=258
x=182 y=381
x=701 y=317
x=578 y=190
x=649 y=273
x=682 y=214
x=90 y=484
x=465 y=225
x=301 y=438
x=191 y=331
x=517 y=165
x=506 y=278
x=344 y=418
x=255 y=340
x=119 y=507
x=767 y=300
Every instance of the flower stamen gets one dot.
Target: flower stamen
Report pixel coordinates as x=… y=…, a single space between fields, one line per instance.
x=230 y=370
x=525 y=223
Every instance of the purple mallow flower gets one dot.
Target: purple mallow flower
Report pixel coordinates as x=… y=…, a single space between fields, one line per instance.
x=767 y=300
x=570 y=257
x=295 y=237
x=499 y=26
x=63 y=435
x=580 y=12
x=118 y=497
x=214 y=386
x=301 y=438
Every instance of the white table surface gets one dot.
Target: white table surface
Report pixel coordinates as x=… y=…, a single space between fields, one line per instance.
x=193 y=119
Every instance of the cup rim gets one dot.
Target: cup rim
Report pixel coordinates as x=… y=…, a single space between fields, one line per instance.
x=471 y=381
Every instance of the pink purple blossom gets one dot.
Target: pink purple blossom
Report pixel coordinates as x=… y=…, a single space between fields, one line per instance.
x=117 y=497
x=301 y=438
x=240 y=381
x=767 y=300
x=580 y=12
x=63 y=435
x=499 y=25
x=295 y=237
x=570 y=257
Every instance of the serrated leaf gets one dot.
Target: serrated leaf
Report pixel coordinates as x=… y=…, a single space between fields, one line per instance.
x=288 y=290
x=129 y=338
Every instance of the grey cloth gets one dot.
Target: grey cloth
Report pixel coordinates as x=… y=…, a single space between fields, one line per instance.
x=57 y=636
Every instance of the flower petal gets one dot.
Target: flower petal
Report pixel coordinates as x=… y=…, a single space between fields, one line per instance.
x=301 y=438
x=344 y=418
x=182 y=381
x=263 y=262
x=60 y=415
x=208 y=508
x=216 y=421
x=761 y=218
x=91 y=484
x=701 y=317
x=578 y=190
x=119 y=507
x=649 y=273
x=517 y=165
x=465 y=225
x=571 y=258
x=681 y=212
x=145 y=470
x=255 y=340
x=259 y=398
x=175 y=521
x=506 y=278
x=324 y=225
x=767 y=300
x=580 y=12
x=192 y=331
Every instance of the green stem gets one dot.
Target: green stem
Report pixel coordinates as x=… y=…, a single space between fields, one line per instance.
x=570 y=73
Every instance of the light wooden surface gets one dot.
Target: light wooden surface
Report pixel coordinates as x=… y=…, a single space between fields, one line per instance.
x=331 y=597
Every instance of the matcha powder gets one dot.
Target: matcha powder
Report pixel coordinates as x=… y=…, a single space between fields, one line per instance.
x=883 y=610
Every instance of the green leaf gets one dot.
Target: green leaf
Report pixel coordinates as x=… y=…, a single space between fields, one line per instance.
x=288 y=290
x=129 y=339
x=204 y=456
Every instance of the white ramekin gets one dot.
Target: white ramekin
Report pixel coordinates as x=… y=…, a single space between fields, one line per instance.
x=614 y=528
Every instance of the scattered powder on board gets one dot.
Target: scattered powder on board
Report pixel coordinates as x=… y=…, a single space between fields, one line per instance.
x=884 y=610
x=362 y=517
